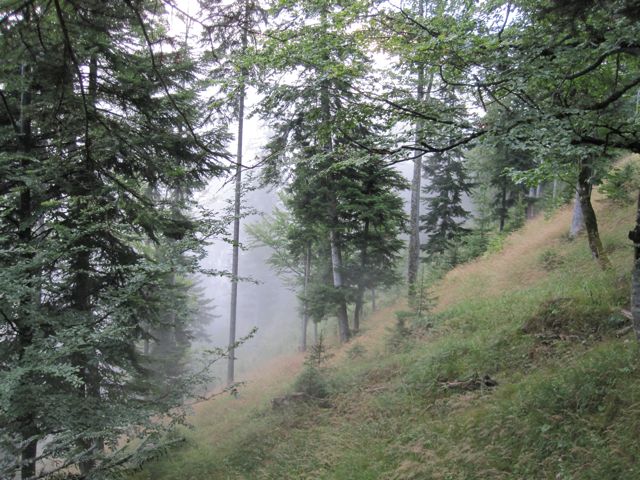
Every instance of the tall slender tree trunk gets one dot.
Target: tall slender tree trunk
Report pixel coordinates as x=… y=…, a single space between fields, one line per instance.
x=634 y=236
x=334 y=241
x=336 y=268
x=81 y=291
x=414 y=214
x=25 y=211
x=362 y=281
x=236 y=221
x=503 y=205
x=590 y=220
x=305 y=304
x=315 y=333
x=373 y=299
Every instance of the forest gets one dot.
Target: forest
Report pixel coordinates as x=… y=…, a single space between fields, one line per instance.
x=456 y=190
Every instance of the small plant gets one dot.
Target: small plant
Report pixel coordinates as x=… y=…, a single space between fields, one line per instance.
x=318 y=354
x=550 y=260
x=400 y=333
x=356 y=351
x=496 y=243
x=312 y=382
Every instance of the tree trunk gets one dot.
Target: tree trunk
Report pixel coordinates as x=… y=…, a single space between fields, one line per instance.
x=634 y=236
x=336 y=268
x=236 y=221
x=414 y=215
x=334 y=243
x=305 y=288
x=503 y=205
x=577 y=220
x=315 y=333
x=373 y=299
x=362 y=281
x=81 y=291
x=414 y=227
x=25 y=212
x=590 y=220
x=29 y=454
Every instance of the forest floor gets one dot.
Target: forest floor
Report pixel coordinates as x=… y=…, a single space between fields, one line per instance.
x=524 y=369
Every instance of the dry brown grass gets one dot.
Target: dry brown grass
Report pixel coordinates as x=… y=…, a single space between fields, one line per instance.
x=509 y=269
x=223 y=414
x=515 y=266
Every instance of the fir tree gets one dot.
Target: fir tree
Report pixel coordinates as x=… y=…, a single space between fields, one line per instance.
x=445 y=188
x=95 y=115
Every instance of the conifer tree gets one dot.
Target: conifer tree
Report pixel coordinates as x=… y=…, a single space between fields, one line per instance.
x=97 y=111
x=446 y=184
x=310 y=116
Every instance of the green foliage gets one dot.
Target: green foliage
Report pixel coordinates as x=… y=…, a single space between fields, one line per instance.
x=446 y=183
x=496 y=243
x=620 y=183
x=400 y=334
x=318 y=354
x=312 y=382
x=99 y=154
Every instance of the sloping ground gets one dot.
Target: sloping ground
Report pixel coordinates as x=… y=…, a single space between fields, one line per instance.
x=539 y=319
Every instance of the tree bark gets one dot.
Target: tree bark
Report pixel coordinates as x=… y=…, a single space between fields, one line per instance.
x=414 y=214
x=236 y=220
x=305 y=288
x=634 y=236
x=315 y=333
x=336 y=268
x=25 y=212
x=590 y=219
x=503 y=205
x=362 y=281
x=577 y=219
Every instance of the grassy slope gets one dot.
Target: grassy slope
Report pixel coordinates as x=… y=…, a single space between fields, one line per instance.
x=567 y=404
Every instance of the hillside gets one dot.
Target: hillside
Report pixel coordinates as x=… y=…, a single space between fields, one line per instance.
x=536 y=326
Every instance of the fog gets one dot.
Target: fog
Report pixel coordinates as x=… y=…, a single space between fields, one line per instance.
x=264 y=301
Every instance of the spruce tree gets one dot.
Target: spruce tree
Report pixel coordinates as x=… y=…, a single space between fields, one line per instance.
x=445 y=187
x=97 y=111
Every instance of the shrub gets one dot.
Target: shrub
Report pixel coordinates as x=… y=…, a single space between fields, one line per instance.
x=312 y=382
x=619 y=183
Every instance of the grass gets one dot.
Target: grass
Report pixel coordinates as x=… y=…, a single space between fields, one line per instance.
x=539 y=317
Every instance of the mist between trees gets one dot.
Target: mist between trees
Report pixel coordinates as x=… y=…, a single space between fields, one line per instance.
x=114 y=115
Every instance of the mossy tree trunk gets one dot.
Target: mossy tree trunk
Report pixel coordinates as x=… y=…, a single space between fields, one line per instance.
x=590 y=219
x=634 y=236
